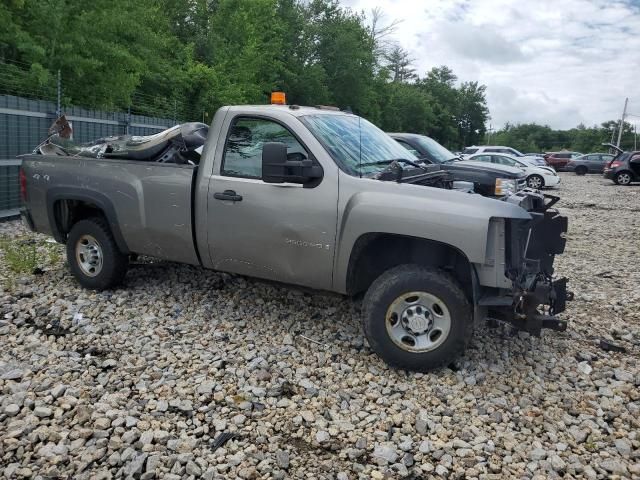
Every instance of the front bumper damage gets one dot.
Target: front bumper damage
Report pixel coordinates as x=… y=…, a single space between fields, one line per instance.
x=535 y=298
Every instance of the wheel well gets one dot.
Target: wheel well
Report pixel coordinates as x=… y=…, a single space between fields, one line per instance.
x=67 y=213
x=374 y=253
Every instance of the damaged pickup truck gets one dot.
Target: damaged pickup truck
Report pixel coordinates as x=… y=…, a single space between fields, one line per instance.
x=313 y=197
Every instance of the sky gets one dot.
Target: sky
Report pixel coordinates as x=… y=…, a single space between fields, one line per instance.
x=553 y=62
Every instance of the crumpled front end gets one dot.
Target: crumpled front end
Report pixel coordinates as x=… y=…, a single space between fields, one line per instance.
x=530 y=250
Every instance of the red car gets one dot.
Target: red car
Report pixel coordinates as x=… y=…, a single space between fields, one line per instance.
x=559 y=160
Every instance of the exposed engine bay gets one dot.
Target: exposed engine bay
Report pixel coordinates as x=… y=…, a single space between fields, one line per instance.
x=530 y=256
x=181 y=144
x=427 y=175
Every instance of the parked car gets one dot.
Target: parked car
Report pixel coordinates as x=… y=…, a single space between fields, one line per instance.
x=589 y=163
x=559 y=160
x=537 y=177
x=488 y=180
x=532 y=159
x=624 y=168
x=312 y=197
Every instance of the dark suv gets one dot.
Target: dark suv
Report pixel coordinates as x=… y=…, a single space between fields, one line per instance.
x=624 y=168
x=559 y=160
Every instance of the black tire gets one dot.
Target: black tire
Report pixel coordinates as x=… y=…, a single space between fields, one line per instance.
x=623 y=178
x=535 y=181
x=94 y=233
x=581 y=170
x=385 y=291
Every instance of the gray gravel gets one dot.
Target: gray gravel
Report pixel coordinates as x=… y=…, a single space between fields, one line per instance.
x=140 y=381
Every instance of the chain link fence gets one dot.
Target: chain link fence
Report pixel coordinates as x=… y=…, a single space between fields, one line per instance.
x=28 y=108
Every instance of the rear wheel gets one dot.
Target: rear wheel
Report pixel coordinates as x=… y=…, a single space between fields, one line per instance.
x=623 y=178
x=535 y=181
x=581 y=170
x=417 y=318
x=93 y=256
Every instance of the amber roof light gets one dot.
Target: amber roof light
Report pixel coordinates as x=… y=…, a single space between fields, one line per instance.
x=278 y=98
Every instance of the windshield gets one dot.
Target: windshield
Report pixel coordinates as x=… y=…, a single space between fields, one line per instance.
x=514 y=153
x=435 y=151
x=352 y=141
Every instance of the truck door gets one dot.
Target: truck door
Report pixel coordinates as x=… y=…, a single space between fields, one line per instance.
x=282 y=232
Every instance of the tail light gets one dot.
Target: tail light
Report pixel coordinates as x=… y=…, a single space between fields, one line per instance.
x=615 y=164
x=23 y=185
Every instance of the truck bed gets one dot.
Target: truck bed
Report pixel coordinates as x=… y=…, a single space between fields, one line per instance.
x=148 y=204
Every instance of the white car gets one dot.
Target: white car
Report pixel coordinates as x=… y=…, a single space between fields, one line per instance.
x=512 y=152
x=537 y=176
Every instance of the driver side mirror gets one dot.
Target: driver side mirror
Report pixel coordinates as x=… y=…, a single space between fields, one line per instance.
x=277 y=167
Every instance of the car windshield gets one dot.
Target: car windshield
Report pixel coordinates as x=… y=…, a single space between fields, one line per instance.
x=435 y=151
x=356 y=144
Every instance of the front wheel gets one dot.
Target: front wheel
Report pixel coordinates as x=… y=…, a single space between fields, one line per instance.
x=417 y=318
x=535 y=181
x=623 y=178
x=93 y=256
x=581 y=170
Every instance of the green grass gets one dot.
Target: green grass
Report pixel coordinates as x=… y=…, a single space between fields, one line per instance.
x=20 y=255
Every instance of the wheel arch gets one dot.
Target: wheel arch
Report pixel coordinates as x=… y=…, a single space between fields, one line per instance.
x=68 y=205
x=375 y=253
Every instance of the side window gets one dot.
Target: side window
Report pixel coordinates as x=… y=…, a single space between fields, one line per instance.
x=503 y=160
x=243 y=150
x=408 y=147
x=482 y=158
x=593 y=158
x=493 y=150
x=606 y=158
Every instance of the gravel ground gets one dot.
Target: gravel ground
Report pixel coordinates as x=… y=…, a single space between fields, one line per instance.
x=141 y=381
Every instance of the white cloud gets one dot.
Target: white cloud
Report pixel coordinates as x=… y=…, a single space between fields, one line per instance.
x=553 y=62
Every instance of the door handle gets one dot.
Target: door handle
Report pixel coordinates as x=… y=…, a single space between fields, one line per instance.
x=228 y=195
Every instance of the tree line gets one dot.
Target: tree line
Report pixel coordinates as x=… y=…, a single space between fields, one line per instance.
x=531 y=137
x=186 y=58
x=196 y=55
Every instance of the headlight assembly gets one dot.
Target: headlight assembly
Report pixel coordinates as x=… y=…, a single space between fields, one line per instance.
x=505 y=186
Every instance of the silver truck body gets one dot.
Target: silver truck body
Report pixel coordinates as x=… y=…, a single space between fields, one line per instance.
x=278 y=231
